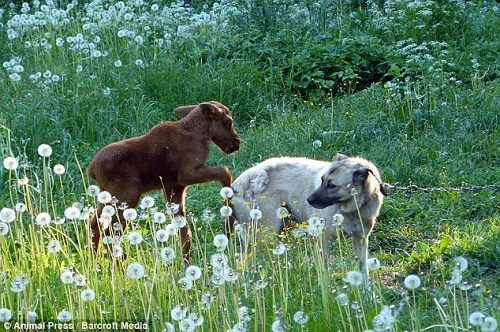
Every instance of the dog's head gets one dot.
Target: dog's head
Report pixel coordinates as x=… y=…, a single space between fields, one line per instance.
x=347 y=181
x=221 y=127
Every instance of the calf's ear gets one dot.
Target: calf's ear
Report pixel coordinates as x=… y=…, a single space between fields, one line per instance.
x=183 y=111
x=211 y=109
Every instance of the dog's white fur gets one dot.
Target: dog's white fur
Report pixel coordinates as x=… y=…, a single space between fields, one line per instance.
x=291 y=181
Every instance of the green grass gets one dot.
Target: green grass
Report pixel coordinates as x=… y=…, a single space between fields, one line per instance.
x=340 y=78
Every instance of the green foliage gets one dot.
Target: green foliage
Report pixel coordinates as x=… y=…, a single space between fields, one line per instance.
x=410 y=85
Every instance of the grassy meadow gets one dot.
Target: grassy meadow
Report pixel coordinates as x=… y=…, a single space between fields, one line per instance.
x=412 y=86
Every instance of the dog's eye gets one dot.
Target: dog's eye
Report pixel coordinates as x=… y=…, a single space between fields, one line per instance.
x=330 y=185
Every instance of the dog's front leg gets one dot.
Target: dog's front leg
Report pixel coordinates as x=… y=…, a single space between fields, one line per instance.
x=360 y=244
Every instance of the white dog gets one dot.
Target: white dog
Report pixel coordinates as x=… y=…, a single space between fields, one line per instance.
x=312 y=188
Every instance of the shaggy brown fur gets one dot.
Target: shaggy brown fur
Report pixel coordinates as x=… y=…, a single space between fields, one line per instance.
x=171 y=156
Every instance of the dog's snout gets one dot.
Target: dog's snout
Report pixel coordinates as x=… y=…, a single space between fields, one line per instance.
x=310 y=200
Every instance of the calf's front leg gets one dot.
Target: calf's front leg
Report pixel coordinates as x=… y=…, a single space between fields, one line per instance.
x=202 y=174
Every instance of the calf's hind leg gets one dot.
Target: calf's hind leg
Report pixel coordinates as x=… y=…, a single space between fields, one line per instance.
x=124 y=194
x=177 y=195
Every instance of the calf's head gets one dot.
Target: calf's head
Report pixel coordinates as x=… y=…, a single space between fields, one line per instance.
x=220 y=123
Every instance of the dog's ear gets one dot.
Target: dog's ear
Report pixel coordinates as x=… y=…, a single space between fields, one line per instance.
x=339 y=156
x=360 y=175
x=211 y=109
x=183 y=111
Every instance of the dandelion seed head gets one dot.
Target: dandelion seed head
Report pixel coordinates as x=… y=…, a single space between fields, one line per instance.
x=4 y=228
x=282 y=212
x=373 y=264
x=10 y=163
x=343 y=299
x=218 y=260
x=64 y=316
x=226 y=192
x=7 y=215
x=354 y=278
x=280 y=249
x=31 y=316
x=260 y=284
x=45 y=150
x=93 y=191
x=186 y=325
x=217 y=280
x=185 y=283
x=244 y=314
x=130 y=214
x=221 y=241
x=67 y=277
x=456 y=277
x=193 y=272
x=20 y=207
x=197 y=319
x=159 y=218
x=167 y=254
x=207 y=215
x=72 y=213
x=461 y=263
x=5 y=315
x=80 y=280
x=117 y=252
x=53 y=247
x=476 y=318
x=118 y=63
x=104 y=197
x=169 y=327
x=179 y=312
x=134 y=238
x=43 y=219
x=171 y=230
x=317 y=144
x=108 y=211
x=226 y=211
x=300 y=317
x=489 y=324
x=255 y=214
x=161 y=235
x=135 y=270
x=179 y=222
x=338 y=219
x=87 y=295
x=412 y=282
x=278 y=326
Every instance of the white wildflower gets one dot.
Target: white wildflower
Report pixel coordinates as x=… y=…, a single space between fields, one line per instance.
x=354 y=278
x=412 y=282
x=10 y=163
x=226 y=211
x=226 y=192
x=43 y=219
x=7 y=215
x=221 y=241
x=193 y=272
x=135 y=270
x=64 y=316
x=87 y=295
x=44 y=150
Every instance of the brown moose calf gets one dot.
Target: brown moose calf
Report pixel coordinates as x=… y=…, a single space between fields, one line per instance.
x=171 y=156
